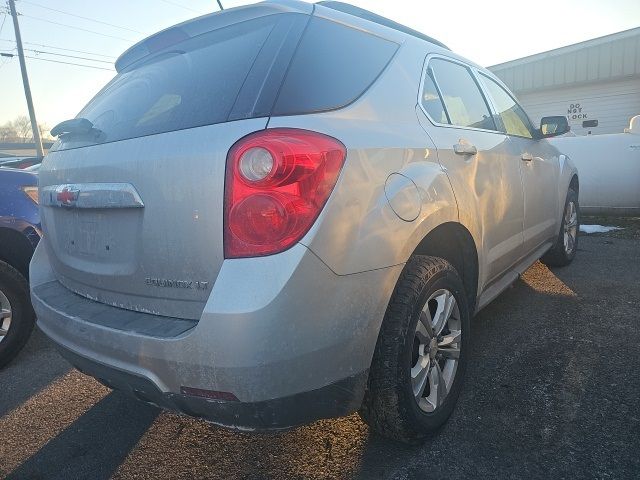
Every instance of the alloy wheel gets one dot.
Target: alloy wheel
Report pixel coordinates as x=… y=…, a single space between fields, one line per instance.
x=436 y=350
x=5 y=316
x=570 y=227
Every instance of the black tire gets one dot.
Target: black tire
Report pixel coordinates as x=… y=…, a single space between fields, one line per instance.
x=389 y=406
x=16 y=289
x=558 y=256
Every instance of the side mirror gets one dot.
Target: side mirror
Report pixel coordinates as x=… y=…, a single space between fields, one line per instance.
x=554 y=126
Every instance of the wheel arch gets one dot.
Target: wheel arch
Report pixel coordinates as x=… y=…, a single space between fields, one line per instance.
x=16 y=250
x=575 y=183
x=453 y=242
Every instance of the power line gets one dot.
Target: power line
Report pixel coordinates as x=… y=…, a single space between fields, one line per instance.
x=76 y=28
x=60 y=48
x=67 y=56
x=69 y=63
x=80 y=16
x=175 y=4
x=11 y=55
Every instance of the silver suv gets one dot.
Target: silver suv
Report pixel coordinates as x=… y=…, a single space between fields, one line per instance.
x=285 y=211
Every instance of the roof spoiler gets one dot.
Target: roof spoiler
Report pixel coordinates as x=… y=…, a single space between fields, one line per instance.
x=204 y=24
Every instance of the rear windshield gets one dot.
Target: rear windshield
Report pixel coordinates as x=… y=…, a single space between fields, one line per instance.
x=194 y=85
x=237 y=72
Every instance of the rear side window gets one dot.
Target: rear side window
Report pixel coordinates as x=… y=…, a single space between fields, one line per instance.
x=432 y=101
x=513 y=117
x=332 y=67
x=464 y=103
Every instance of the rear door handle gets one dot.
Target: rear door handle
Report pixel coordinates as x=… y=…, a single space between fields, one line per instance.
x=465 y=149
x=526 y=157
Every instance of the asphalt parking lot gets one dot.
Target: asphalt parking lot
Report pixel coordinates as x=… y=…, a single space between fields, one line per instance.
x=552 y=391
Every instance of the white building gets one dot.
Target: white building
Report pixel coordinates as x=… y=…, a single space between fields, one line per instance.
x=596 y=83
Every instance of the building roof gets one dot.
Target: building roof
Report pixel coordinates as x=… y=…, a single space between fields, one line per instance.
x=605 y=58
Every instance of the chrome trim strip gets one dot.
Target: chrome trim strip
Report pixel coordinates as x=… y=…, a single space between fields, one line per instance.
x=90 y=195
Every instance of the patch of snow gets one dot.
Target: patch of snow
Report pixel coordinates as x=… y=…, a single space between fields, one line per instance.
x=597 y=229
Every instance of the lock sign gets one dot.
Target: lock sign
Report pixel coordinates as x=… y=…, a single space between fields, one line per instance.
x=575 y=113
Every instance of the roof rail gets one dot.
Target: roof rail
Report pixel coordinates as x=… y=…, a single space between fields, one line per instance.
x=379 y=19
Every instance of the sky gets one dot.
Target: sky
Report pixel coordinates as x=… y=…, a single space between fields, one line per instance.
x=488 y=32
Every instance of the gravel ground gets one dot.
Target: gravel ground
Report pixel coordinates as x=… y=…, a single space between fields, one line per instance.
x=552 y=392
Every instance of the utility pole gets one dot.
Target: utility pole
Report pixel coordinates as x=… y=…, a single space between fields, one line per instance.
x=25 y=80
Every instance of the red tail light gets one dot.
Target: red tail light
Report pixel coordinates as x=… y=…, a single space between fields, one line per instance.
x=277 y=182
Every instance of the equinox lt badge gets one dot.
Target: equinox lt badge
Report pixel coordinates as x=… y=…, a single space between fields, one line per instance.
x=165 y=282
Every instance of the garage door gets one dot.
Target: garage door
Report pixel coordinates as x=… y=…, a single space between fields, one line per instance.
x=611 y=104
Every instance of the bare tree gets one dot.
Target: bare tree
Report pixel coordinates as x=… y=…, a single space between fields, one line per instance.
x=18 y=130
x=23 y=128
x=7 y=133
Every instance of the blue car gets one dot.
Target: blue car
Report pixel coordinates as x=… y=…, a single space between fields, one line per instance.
x=19 y=235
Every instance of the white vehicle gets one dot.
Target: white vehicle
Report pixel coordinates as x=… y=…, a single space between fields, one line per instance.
x=609 y=169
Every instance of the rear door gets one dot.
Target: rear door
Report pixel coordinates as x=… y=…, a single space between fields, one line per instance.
x=538 y=162
x=479 y=160
x=132 y=210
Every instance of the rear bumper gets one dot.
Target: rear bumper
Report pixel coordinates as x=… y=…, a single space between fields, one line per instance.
x=335 y=400
x=287 y=337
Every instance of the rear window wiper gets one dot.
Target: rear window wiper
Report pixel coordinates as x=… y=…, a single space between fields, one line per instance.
x=79 y=126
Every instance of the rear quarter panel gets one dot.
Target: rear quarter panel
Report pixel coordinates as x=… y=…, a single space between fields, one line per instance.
x=358 y=230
